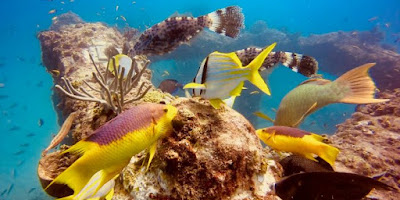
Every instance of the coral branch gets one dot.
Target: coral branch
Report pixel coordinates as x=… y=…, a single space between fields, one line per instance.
x=113 y=88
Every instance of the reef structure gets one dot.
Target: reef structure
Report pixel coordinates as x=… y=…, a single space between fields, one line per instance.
x=211 y=154
x=368 y=143
x=214 y=154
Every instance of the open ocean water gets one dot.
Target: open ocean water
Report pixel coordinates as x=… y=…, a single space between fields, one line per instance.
x=25 y=98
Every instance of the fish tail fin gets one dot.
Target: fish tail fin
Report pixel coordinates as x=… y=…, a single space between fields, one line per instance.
x=361 y=87
x=305 y=65
x=328 y=153
x=255 y=77
x=75 y=175
x=226 y=21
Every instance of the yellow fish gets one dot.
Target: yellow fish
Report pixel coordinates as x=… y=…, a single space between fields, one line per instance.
x=221 y=76
x=109 y=149
x=354 y=87
x=282 y=138
x=52 y=11
x=120 y=60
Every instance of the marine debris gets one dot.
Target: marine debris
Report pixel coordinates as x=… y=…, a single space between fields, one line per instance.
x=113 y=88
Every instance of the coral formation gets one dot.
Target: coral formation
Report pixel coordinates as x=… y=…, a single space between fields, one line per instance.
x=369 y=145
x=212 y=154
x=67 y=50
x=113 y=88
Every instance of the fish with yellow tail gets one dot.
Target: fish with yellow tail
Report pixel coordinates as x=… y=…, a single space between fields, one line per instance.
x=109 y=149
x=221 y=76
x=353 y=87
x=294 y=140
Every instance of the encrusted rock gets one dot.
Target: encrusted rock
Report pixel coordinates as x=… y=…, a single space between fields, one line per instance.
x=369 y=143
x=212 y=154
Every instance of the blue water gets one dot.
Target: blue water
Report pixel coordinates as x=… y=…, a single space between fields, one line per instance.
x=26 y=96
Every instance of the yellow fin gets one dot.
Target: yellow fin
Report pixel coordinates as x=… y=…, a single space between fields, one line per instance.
x=216 y=103
x=264 y=116
x=310 y=156
x=255 y=77
x=237 y=90
x=152 y=152
x=362 y=87
x=318 y=137
x=195 y=86
x=328 y=153
x=93 y=185
x=305 y=114
x=79 y=148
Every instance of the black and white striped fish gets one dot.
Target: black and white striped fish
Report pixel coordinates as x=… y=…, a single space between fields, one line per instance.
x=305 y=65
x=170 y=33
x=221 y=76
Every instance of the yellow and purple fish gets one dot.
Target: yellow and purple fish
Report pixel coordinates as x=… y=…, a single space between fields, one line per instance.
x=294 y=140
x=109 y=149
x=354 y=87
x=170 y=33
x=221 y=76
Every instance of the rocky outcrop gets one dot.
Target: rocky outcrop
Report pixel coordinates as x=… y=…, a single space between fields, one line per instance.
x=213 y=154
x=369 y=143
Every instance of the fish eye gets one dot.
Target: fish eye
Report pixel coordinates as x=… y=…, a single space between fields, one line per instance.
x=165 y=110
x=162 y=102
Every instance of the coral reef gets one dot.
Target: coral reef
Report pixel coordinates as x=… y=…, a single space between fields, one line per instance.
x=212 y=154
x=369 y=143
x=67 y=50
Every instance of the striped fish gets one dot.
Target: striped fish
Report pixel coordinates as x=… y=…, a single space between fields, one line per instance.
x=170 y=33
x=109 y=149
x=305 y=65
x=221 y=76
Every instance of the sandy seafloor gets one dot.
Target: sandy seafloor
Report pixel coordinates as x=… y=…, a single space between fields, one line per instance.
x=26 y=95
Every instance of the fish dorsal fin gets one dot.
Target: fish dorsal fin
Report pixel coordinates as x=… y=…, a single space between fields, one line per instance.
x=316 y=81
x=305 y=114
x=152 y=152
x=264 y=116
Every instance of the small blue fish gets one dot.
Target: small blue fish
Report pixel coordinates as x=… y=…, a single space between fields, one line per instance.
x=31 y=190
x=14 y=128
x=19 y=152
x=40 y=122
x=30 y=134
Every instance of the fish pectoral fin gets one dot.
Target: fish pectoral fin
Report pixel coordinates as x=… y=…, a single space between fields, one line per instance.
x=195 y=86
x=310 y=156
x=216 y=103
x=237 y=90
x=92 y=186
x=264 y=116
x=230 y=101
x=152 y=152
x=305 y=114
